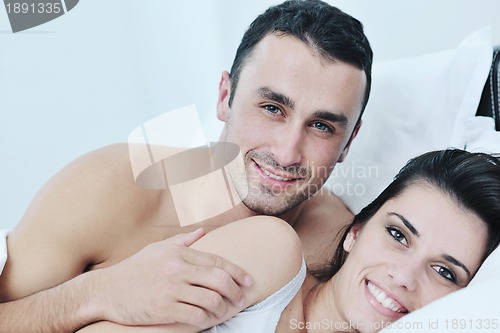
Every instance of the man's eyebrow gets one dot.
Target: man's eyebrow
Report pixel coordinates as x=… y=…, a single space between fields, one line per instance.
x=272 y=95
x=406 y=223
x=457 y=263
x=332 y=117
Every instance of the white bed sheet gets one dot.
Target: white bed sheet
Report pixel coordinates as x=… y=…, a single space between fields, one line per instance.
x=3 y=248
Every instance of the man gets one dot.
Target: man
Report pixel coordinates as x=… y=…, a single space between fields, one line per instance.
x=100 y=247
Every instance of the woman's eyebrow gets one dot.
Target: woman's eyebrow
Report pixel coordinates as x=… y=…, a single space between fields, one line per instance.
x=406 y=223
x=455 y=262
x=446 y=257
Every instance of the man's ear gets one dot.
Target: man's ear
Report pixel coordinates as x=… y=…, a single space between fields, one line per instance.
x=351 y=238
x=343 y=155
x=223 y=99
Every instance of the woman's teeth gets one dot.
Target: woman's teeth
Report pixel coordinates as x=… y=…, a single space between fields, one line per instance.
x=383 y=299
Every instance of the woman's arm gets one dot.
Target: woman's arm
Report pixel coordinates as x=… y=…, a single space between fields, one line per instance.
x=260 y=245
x=266 y=247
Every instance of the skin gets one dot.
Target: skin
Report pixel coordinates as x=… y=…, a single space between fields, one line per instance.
x=91 y=218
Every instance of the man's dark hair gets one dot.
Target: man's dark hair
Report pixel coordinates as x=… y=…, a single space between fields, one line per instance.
x=333 y=33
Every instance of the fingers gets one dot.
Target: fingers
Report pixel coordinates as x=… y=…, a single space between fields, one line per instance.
x=208 y=300
x=216 y=274
x=187 y=239
x=191 y=315
x=199 y=258
x=220 y=282
x=202 y=286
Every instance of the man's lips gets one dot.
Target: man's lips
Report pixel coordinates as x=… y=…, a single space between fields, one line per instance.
x=384 y=302
x=276 y=175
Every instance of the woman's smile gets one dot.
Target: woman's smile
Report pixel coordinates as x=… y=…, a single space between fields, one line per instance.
x=382 y=302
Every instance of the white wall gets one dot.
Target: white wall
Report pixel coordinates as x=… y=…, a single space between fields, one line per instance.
x=88 y=78
x=400 y=28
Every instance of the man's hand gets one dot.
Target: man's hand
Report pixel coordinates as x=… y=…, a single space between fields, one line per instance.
x=168 y=282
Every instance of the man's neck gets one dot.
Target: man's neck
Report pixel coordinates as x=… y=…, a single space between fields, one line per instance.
x=293 y=214
x=241 y=211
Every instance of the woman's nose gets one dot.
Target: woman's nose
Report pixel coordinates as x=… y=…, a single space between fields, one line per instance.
x=404 y=274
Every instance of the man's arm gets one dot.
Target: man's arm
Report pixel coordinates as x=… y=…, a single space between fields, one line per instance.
x=94 y=296
x=260 y=245
x=54 y=310
x=75 y=222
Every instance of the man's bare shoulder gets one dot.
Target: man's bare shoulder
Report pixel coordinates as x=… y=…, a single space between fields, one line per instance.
x=321 y=219
x=110 y=164
x=69 y=224
x=97 y=185
x=101 y=196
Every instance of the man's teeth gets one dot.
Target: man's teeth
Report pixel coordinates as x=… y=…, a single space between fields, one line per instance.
x=383 y=299
x=272 y=175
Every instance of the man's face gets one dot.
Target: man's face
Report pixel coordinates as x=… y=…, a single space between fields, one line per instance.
x=292 y=116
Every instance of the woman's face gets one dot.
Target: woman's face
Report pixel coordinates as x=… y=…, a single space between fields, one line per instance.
x=418 y=247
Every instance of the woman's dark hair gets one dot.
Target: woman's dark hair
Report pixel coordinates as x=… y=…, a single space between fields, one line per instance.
x=333 y=33
x=472 y=180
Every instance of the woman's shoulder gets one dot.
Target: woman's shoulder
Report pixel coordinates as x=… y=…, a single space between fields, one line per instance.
x=266 y=247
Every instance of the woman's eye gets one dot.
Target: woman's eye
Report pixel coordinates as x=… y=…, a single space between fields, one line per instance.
x=272 y=109
x=445 y=272
x=398 y=235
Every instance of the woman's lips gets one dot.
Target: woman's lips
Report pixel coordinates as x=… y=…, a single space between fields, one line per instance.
x=382 y=302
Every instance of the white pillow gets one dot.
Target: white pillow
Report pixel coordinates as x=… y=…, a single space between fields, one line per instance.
x=416 y=105
x=480 y=135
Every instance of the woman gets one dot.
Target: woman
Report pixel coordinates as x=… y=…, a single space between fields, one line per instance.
x=425 y=236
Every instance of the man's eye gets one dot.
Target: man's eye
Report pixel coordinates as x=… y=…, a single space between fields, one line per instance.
x=445 y=272
x=321 y=126
x=272 y=109
x=398 y=235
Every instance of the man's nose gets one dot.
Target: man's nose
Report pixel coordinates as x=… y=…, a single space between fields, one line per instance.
x=288 y=145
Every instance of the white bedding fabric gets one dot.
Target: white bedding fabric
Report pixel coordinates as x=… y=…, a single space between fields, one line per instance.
x=410 y=100
x=481 y=135
x=3 y=248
